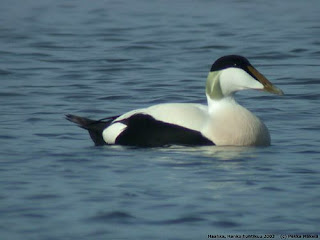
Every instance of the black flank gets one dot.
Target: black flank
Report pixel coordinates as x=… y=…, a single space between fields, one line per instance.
x=145 y=131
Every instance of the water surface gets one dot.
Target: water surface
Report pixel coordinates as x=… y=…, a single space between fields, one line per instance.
x=102 y=58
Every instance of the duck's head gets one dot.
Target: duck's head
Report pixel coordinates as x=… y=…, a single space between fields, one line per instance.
x=232 y=73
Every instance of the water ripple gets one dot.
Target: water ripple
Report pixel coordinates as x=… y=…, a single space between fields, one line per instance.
x=115 y=216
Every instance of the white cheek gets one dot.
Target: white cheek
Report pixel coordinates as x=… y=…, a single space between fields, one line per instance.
x=111 y=133
x=235 y=79
x=249 y=82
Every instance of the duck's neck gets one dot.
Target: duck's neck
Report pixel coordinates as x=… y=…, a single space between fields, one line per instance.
x=214 y=104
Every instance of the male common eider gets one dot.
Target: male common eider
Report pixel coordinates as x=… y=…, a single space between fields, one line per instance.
x=222 y=122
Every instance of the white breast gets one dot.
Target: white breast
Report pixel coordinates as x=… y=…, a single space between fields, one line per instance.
x=232 y=124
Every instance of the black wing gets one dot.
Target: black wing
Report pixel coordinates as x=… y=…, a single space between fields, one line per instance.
x=145 y=131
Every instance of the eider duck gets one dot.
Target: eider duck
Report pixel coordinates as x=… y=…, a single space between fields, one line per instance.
x=223 y=122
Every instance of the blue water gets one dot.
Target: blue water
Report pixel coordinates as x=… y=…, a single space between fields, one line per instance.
x=102 y=58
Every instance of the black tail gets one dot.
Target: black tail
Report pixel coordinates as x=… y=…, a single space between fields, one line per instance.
x=94 y=127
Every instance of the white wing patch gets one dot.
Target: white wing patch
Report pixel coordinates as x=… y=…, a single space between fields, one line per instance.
x=189 y=115
x=111 y=133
